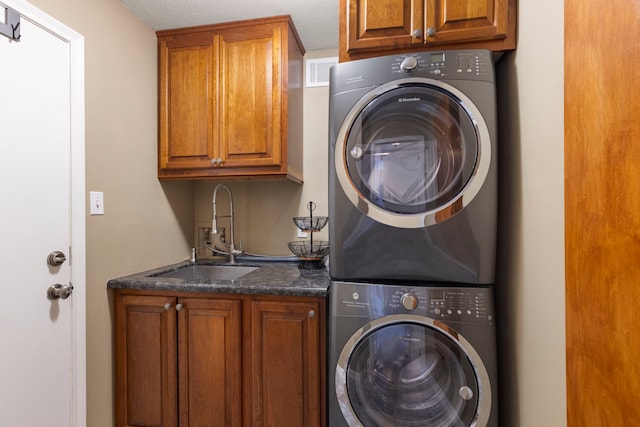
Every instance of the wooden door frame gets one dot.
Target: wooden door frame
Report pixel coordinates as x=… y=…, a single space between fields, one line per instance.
x=77 y=252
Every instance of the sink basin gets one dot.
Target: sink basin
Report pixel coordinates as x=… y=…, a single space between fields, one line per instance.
x=208 y=272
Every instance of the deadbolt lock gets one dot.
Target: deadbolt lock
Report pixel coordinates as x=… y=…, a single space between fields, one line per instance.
x=56 y=258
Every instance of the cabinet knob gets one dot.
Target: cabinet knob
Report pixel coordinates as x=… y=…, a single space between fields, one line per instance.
x=312 y=313
x=167 y=306
x=431 y=32
x=179 y=307
x=417 y=33
x=216 y=162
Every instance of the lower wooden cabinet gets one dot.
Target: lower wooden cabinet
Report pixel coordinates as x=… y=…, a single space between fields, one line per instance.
x=219 y=360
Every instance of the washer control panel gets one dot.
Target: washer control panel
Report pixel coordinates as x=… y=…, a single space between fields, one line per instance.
x=409 y=301
x=440 y=303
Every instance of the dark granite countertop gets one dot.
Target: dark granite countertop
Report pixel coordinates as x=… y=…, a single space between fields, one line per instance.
x=269 y=278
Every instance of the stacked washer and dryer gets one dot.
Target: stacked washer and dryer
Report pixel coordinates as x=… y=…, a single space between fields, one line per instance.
x=413 y=208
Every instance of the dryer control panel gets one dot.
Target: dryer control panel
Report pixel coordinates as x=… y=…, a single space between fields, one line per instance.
x=472 y=65
x=468 y=65
x=456 y=304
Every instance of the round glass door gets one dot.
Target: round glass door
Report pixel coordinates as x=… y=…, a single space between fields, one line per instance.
x=406 y=373
x=411 y=151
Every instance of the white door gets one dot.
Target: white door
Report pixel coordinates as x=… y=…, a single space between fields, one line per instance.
x=42 y=365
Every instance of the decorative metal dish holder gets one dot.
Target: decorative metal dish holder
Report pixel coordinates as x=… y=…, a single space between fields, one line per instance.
x=310 y=253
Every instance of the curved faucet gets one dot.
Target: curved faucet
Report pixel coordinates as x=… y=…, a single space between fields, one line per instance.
x=214 y=226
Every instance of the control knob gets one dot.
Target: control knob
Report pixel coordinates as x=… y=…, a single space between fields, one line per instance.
x=410 y=63
x=409 y=301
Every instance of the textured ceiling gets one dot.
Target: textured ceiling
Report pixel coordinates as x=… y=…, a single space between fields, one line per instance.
x=315 y=20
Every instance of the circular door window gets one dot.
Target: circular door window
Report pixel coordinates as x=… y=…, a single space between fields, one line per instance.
x=412 y=153
x=404 y=373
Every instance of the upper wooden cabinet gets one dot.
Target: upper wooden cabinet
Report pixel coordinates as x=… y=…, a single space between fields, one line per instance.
x=382 y=27
x=230 y=101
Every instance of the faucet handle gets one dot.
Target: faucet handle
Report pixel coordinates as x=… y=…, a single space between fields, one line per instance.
x=237 y=251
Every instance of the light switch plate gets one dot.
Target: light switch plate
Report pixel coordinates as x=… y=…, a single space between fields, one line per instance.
x=96 y=203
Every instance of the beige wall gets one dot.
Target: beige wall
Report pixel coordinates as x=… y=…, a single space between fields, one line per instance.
x=145 y=223
x=531 y=243
x=148 y=224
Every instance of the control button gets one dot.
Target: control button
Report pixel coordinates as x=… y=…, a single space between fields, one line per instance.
x=409 y=301
x=409 y=63
x=356 y=296
x=449 y=312
x=436 y=71
x=436 y=311
x=459 y=312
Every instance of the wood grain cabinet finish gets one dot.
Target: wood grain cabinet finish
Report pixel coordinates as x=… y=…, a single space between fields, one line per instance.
x=145 y=361
x=230 y=101
x=383 y=27
x=285 y=364
x=228 y=360
x=209 y=365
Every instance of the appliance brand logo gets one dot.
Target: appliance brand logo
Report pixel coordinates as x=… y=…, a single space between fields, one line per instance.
x=414 y=99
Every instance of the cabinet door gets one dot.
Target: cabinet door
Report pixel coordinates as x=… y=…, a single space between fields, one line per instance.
x=384 y=24
x=286 y=356
x=251 y=96
x=145 y=352
x=188 y=82
x=384 y=27
x=456 y=21
x=209 y=362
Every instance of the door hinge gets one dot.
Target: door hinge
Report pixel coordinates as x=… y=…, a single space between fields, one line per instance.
x=11 y=26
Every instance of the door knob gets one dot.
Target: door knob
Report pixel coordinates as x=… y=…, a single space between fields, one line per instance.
x=59 y=291
x=56 y=258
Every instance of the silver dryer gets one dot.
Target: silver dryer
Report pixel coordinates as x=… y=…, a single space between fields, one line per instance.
x=413 y=168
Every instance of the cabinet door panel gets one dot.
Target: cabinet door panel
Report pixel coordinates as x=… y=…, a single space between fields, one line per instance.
x=250 y=127
x=384 y=24
x=285 y=383
x=145 y=361
x=187 y=107
x=454 y=20
x=210 y=362
x=384 y=27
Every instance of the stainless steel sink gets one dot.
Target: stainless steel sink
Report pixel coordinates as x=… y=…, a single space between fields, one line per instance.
x=208 y=272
